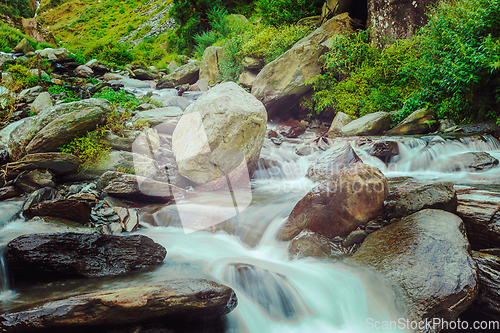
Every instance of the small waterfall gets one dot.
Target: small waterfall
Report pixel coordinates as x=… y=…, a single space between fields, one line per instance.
x=4 y=282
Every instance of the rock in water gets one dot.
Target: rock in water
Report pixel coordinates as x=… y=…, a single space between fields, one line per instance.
x=280 y=84
x=163 y=302
x=482 y=222
x=222 y=130
x=419 y=122
x=340 y=120
x=291 y=129
x=74 y=210
x=351 y=197
x=371 y=124
x=476 y=161
x=73 y=255
x=338 y=157
x=488 y=301
x=434 y=196
x=426 y=255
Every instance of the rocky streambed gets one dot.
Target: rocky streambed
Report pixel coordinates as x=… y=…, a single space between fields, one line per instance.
x=215 y=220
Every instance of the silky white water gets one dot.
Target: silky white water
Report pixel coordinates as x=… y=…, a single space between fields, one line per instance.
x=275 y=293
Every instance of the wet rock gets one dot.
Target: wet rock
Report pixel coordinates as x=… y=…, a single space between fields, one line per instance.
x=390 y=20
x=310 y=244
x=475 y=161
x=35 y=179
x=433 y=196
x=355 y=237
x=273 y=292
x=124 y=142
x=188 y=73
x=36 y=197
x=338 y=157
x=234 y=124
x=482 y=127
x=158 y=116
x=426 y=257
x=9 y=192
x=487 y=303
x=372 y=124
x=167 y=301
x=42 y=102
x=291 y=129
x=32 y=257
x=23 y=47
x=482 y=222
x=4 y=156
x=445 y=124
x=130 y=83
x=127 y=186
x=349 y=198
x=53 y=54
x=58 y=163
x=64 y=129
x=280 y=84
x=74 y=210
x=419 y=122
x=340 y=120
x=22 y=135
x=209 y=65
x=385 y=150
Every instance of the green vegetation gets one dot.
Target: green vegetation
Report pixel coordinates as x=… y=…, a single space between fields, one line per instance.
x=72 y=95
x=90 y=148
x=278 y=12
x=451 y=65
x=109 y=52
x=16 y=8
x=10 y=37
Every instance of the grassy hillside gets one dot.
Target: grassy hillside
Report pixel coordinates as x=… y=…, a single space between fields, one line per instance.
x=22 y=8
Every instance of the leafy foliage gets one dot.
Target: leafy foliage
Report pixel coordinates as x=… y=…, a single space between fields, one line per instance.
x=452 y=64
x=90 y=148
x=277 y=12
x=109 y=52
x=16 y=8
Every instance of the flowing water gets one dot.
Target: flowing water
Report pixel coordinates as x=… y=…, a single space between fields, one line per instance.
x=275 y=294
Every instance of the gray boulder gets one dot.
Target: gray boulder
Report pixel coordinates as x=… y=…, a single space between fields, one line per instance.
x=371 y=124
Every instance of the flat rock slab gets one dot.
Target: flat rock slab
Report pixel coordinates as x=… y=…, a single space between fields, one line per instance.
x=482 y=222
x=74 y=210
x=426 y=257
x=75 y=255
x=168 y=300
x=58 y=163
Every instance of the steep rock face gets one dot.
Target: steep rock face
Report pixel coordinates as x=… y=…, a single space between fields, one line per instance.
x=280 y=84
x=187 y=299
x=73 y=255
x=349 y=198
x=426 y=257
x=396 y=19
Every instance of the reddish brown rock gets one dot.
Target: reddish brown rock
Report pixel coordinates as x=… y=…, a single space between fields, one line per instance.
x=351 y=197
x=187 y=299
x=75 y=210
x=385 y=149
x=334 y=159
x=291 y=129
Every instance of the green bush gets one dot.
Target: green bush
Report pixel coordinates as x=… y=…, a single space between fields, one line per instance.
x=277 y=12
x=10 y=37
x=90 y=148
x=459 y=72
x=359 y=79
x=17 y=8
x=109 y=52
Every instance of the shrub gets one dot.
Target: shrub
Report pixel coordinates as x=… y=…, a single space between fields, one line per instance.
x=277 y=12
x=109 y=52
x=90 y=148
x=359 y=79
x=459 y=72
